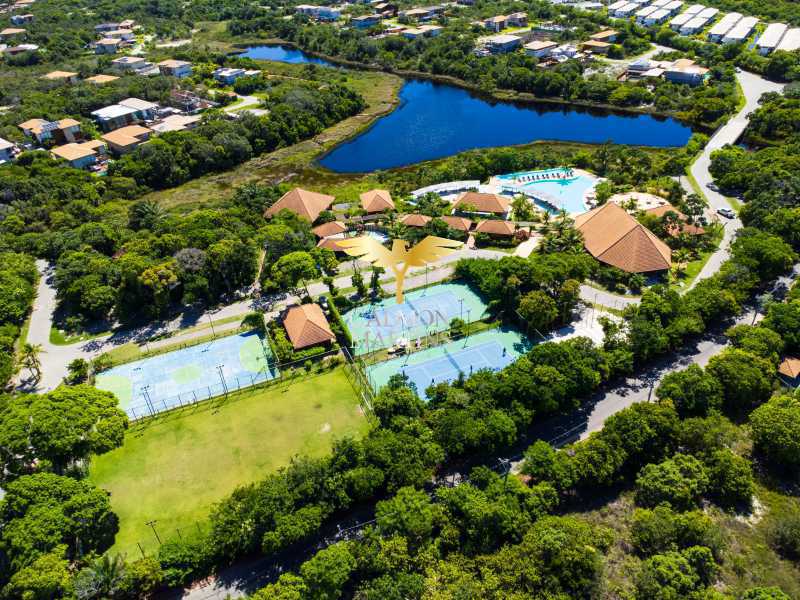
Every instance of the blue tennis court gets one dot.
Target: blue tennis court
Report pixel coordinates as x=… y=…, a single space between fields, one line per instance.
x=494 y=349
x=424 y=311
x=165 y=381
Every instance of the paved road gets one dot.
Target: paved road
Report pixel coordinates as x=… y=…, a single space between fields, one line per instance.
x=248 y=103
x=753 y=86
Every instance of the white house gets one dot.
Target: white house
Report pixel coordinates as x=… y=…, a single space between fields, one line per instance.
x=725 y=24
x=741 y=31
x=771 y=37
x=540 y=48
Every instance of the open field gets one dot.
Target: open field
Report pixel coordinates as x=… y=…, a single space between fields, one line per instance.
x=172 y=469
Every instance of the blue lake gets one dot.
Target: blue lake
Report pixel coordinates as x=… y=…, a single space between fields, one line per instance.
x=285 y=54
x=437 y=120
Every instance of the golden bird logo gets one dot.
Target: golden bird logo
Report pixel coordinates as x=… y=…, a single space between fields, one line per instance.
x=399 y=258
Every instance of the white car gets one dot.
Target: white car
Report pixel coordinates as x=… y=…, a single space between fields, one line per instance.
x=727 y=213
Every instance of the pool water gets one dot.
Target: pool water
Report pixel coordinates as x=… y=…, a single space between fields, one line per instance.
x=554 y=193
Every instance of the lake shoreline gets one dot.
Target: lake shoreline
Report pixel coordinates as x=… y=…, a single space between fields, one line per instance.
x=501 y=95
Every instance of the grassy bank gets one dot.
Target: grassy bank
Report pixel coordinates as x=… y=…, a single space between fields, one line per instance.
x=172 y=469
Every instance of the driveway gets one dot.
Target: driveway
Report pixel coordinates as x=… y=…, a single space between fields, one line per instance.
x=246 y=103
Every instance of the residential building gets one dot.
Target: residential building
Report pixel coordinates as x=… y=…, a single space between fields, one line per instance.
x=127 y=24
x=107 y=46
x=771 y=37
x=693 y=26
x=175 y=68
x=366 y=21
x=497 y=23
x=101 y=79
x=540 y=48
x=14 y=50
x=458 y=223
x=11 y=33
x=789 y=371
x=132 y=64
x=126 y=139
x=502 y=43
x=376 y=201
x=80 y=155
x=725 y=24
x=306 y=326
x=22 y=19
x=64 y=130
x=302 y=203
x=189 y=102
x=517 y=19
x=657 y=17
x=684 y=70
x=790 y=41
x=680 y=20
x=7 y=150
x=65 y=76
x=496 y=228
x=694 y=9
x=414 y=15
x=673 y=7
x=626 y=10
x=483 y=203
x=227 y=75
x=595 y=47
x=329 y=229
x=614 y=237
x=607 y=35
x=104 y=27
x=385 y=9
x=708 y=13
x=741 y=31
x=431 y=30
x=176 y=123
x=415 y=220
x=130 y=111
x=321 y=13
x=615 y=5
x=645 y=12
x=125 y=35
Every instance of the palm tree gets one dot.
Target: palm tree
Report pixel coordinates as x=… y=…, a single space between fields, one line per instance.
x=146 y=214
x=29 y=358
x=102 y=578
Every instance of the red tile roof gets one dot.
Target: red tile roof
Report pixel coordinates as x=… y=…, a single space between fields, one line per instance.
x=614 y=237
x=376 y=201
x=790 y=367
x=306 y=326
x=674 y=230
x=415 y=220
x=485 y=203
x=301 y=202
x=495 y=227
x=458 y=223
x=328 y=229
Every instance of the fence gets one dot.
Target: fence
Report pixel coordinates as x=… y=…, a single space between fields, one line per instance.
x=273 y=373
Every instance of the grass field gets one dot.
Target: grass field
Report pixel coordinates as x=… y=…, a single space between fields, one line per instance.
x=174 y=468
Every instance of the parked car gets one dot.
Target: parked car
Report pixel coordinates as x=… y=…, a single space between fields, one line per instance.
x=727 y=213
x=712 y=186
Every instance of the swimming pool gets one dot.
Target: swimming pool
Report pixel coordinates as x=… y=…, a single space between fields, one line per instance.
x=552 y=189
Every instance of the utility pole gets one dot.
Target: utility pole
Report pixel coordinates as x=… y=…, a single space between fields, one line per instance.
x=210 y=322
x=147 y=399
x=505 y=464
x=152 y=525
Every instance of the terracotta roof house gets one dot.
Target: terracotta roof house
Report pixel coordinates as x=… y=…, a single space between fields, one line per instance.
x=375 y=201
x=790 y=369
x=80 y=156
x=458 y=223
x=331 y=243
x=67 y=76
x=614 y=237
x=415 y=220
x=483 y=203
x=329 y=229
x=306 y=326
x=127 y=139
x=301 y=202
x=675 y=230
x=495 y=227
x=100 y=79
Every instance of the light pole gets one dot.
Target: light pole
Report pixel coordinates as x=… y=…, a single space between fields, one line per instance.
x=214 y=333
x=469 y=310
x=461 y=308
x=222 y=380
x=147 y=400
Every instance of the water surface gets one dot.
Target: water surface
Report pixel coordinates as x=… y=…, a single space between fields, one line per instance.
x=435 y=120
x=285 y=54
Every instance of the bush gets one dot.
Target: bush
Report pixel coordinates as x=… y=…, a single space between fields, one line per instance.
x=679 y=481
x=182 y=561
x=661 y=530
x=775 y=429
x=783 y=532
x=730 y=479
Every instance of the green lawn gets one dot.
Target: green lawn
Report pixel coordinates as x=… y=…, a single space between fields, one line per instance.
x=174 y=468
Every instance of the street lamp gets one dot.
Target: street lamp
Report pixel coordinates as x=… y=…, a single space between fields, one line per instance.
x=152 y=525
x=222 y=380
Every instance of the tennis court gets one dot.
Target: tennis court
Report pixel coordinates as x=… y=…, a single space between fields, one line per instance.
x=184 y=376
x=494 y=349
x=427 y=310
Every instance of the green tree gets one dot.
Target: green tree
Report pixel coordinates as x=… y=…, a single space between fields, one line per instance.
x=409 y=513
x=103 y=578
x=775 y=429
x=294 y=269
x=327 y=572
x=29 y=358
x=730 y=479
x=538 y=310
x=679 y=481
x=746 y=379
x=692 y=391
x=45 y=578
